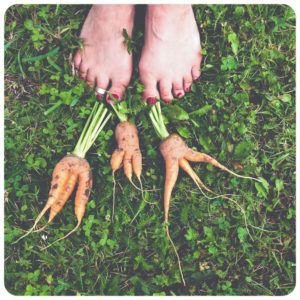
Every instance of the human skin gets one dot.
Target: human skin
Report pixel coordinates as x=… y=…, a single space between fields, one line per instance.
x=170 y=58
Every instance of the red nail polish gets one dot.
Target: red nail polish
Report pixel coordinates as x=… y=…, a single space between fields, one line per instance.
x=151 y=100
x=179 y=94
x=187 y=89
x=99 y=96
x=82 y=77
x=166 y=101
x=116 y=96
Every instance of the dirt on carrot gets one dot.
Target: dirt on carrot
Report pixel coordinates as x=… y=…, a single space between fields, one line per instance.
x=128 y=152
x=67 y=172
x=177 y=154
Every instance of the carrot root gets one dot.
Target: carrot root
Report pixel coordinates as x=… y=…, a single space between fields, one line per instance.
x=195 y=156
x=186 y=167
x=183 y=163
x=177 y=255
x=62 y=238
x=114 y=197
x=244 y=214
x=46 y=207
x=42 y=228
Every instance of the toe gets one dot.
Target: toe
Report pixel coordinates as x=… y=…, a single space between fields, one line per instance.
x=196 y=68
x=77 y=59
x=83 y=71
x=165 y=88
x=187 y=82
x=150 y=91
x=178 y=88
x=90 y=79
x=196 y=72
x=101 y=83
x=117 y=89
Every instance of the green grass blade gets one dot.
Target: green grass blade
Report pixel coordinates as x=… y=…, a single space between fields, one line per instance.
x=8 y=44
x=45 y=30
x=52 y=108
x=40 y=57
x=20 y=65
x=53 y=64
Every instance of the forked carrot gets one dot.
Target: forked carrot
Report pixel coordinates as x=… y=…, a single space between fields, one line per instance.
x=127 y=152
x=177 y=154
x=71 y=169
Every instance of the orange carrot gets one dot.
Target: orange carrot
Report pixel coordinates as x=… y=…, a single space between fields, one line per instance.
x=128 y=153
x=128 y=150
x=71 y=169
x=177 y=154
x=80 y=170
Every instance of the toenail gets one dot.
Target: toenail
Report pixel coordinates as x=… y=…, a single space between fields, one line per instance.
x=116 y=96
x=151 y=100
x=99 y=96
x=187 y=89
x=179 y=94
x=82 y=77
x=166 y=101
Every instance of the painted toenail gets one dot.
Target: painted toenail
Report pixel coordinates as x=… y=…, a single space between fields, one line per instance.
x=187 y=89
x=82 y=77
x=99 y=96
x=151 y=100
x=116 y=96
x=179 y=94
x=166 y=101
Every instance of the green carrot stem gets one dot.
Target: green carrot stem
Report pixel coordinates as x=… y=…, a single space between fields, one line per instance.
x=155 y=115
x=117 y=108
x=91 y=130
x=78 y=145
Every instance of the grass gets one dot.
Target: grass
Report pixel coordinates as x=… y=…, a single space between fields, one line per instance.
x=241 y=111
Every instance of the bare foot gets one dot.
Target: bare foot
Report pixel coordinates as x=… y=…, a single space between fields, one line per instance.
x=105 y=59
x=171 y=56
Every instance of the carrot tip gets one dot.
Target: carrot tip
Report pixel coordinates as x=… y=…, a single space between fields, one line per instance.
x=177 y=255
x=42 y=228
x=46 y=207
x=114 y=197
x=65 y=236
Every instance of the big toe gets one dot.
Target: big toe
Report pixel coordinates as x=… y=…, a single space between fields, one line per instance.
x=116 y=92
x=150 y=91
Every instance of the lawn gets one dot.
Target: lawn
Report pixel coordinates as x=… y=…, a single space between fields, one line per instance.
x=241 y=111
